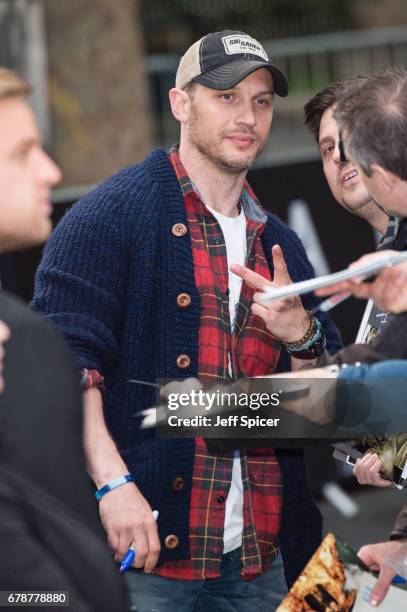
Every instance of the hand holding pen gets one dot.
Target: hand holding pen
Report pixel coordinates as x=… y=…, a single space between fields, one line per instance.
x=128 y=519
x=129 y=557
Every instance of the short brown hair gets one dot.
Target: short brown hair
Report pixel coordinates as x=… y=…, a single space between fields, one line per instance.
x=373 y=120
x=326 y=98
x=12 y=85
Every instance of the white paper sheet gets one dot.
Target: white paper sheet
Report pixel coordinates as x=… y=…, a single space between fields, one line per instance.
x=363 y=271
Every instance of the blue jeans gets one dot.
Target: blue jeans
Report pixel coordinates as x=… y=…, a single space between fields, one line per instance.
x=228 y=593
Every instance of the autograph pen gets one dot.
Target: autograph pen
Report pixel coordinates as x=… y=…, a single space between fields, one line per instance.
x=131 y=553
x=331 y=302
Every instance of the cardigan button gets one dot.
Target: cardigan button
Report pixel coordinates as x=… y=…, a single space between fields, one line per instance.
x=183 y=361
x=183 y=300
x=179 y=229
x=171 y=541
x=177 y=484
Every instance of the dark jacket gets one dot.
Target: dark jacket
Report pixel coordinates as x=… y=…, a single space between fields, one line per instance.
x=50 y=533
x=41 y=410
x=46 y=546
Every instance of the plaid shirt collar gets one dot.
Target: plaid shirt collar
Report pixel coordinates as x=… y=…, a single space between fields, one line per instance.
x=251 y=207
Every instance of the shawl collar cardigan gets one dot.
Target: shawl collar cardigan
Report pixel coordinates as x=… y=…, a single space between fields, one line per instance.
x=109 y=280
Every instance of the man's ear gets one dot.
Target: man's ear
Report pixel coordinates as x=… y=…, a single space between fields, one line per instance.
x=180 y=104
x=386 y=178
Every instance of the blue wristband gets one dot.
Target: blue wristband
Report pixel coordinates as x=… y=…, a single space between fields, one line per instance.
x=113 y=484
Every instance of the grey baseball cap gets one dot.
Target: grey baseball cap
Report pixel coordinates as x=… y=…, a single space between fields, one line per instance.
x=222 y=59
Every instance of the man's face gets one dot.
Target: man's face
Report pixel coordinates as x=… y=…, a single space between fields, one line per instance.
x=343 y=178
x=390 y=195
x=26 y=177
x=230 y=127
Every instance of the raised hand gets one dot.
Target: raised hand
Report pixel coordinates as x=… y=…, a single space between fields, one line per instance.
x=286 y=319
x=388 y=290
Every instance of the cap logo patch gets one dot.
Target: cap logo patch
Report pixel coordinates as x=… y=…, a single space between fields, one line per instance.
x=235 y=43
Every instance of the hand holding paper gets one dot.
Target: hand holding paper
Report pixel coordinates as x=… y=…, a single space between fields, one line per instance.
x=367 y=471
x=370 y=266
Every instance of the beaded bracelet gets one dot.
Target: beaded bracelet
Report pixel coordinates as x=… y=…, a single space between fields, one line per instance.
x=310 y=333
x=309 y=343
x=310 y=346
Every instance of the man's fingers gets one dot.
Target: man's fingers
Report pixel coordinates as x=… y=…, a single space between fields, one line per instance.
x=367 y=471
x=254 y=280
x=281 y=276
x=145 y=541
x=140 y=544
x=153 y=546
x=382 y=585
x=330 y=289
x=362 y=467
x=360 y=290
x=365 y=553
x=125 y=540
x=357 y=289
x=113 y=540
x=389 y=292
x=260 y=311
x=275 y=305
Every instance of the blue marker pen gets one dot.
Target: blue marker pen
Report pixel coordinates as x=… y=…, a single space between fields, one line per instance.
x=130 y=554
x=399 y=580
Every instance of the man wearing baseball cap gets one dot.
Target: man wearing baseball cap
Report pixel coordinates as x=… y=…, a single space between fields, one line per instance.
x=147 y=256
x=222 y=59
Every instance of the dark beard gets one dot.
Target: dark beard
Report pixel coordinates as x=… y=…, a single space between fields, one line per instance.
x=227 y=166
x=230 y=167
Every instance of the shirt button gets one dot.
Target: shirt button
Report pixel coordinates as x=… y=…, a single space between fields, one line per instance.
x=220 y=499
x=183 y=361
x=179 y=229
x=183 y=300
x=178 y=484
x=171 y=541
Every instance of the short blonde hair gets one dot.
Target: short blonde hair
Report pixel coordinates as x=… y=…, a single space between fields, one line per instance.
x=12 y=85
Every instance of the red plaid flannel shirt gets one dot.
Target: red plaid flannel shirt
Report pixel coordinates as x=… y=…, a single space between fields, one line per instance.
x=253 y=351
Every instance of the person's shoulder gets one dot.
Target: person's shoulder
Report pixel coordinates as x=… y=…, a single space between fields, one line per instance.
x=274 y=223
x=132 y=194
x=26 y=324
x=14 y=311
x=280 y=233
x=131 y=182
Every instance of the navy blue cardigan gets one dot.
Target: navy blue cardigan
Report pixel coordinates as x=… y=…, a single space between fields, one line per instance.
x=109 y=280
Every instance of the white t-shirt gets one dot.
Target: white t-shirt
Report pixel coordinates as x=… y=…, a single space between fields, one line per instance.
x=234 y=233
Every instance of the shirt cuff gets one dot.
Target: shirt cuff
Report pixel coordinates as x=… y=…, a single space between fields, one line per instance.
x=91 y=379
